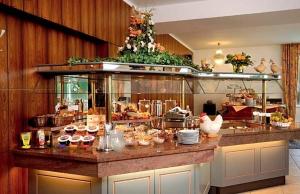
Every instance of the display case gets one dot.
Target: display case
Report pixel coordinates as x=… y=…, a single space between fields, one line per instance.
x=103 y=85
x=139 y=96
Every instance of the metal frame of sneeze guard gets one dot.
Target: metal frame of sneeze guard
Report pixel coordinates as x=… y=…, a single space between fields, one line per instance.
x=135 y=68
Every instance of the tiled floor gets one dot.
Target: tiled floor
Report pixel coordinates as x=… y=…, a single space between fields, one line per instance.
x=292 y=180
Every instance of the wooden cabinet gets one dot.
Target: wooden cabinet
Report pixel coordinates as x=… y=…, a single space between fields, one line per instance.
x=189 y=179
x=202 y=178
x=44 y=182
x=177 y=180
x=133 y=183
x=238 y=164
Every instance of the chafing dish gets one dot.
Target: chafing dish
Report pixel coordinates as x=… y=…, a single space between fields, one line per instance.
x=175 y=118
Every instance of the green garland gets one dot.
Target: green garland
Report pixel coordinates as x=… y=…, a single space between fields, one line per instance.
x=162 y=59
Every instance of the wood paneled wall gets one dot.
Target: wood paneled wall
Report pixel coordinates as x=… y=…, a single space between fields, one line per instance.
x=172 y=45
x=65 y=28
x=75 y=27
x=106 y=20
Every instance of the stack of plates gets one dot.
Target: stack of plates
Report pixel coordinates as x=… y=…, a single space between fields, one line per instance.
x=187 y=136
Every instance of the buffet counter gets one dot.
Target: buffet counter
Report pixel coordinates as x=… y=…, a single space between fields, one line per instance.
x=251 y=156
x=131 y=159
x=237 y=133
x=90 y=162
x=245 y=156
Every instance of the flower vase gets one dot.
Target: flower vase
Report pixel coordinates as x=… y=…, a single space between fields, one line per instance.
x=238 y=69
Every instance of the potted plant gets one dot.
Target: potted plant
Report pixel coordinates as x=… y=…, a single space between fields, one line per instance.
x=239 y=61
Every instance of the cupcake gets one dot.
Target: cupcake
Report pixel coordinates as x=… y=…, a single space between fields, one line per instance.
x=70 y=129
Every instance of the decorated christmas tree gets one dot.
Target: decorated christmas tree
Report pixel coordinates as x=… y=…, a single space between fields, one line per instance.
x=140 y=45
x=140 y=39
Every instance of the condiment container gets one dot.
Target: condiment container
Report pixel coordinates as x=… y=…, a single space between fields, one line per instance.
x=40 y=138
x=75 y=140
x=81 y=130
x=88 y=140
x=64 y=140
x=70 y=129
x=92 y=130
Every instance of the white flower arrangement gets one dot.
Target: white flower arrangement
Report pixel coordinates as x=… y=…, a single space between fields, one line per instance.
x=128 y=46
x=151 y=22
x=142 y=43
x=151 y=47
x=135 y=48
x=151 y=39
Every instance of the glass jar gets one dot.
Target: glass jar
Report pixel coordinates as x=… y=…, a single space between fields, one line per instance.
x=189 y=122
x=117 y=140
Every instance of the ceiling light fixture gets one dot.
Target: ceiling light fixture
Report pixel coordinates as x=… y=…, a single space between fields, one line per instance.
x=219 y=58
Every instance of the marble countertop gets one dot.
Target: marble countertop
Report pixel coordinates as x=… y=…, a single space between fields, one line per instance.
x=90 y=162
x=92 y=155
x=235 y=133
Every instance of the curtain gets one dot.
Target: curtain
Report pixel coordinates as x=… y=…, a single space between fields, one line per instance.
x=290 y=60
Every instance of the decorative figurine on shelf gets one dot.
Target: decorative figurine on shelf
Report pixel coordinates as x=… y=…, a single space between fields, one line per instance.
x=261 y=67
x=239 y=61
x=209 y=127
x=274 y=68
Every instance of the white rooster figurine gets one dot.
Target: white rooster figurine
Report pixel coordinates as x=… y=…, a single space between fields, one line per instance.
x=209 y=127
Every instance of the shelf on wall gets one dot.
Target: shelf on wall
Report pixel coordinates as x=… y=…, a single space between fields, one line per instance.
x=152 y=69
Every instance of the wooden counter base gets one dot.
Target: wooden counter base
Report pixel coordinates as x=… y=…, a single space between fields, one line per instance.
x=248 y=186
x=100 y=164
